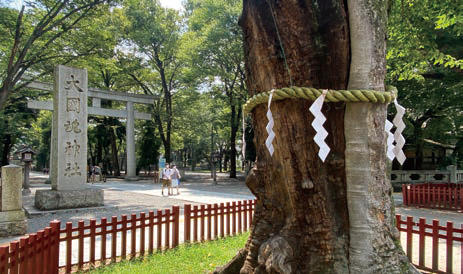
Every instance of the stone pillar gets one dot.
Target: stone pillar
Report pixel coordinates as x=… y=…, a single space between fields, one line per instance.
x=12 y=217
x=69 y=145
x=453 y=173
x=69 y=140
x=130 y=140
x=27 y=169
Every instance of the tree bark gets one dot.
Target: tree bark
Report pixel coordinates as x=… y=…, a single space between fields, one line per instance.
x=7 y=144
x=374 y=243
x=303 y=217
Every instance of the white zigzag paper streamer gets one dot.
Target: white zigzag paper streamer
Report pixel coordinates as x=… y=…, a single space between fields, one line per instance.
x=390 y=140
x=398 y=138
x=269 y=127
x=317 y=124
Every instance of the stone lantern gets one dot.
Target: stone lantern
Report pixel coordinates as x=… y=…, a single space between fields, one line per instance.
x=26 y=156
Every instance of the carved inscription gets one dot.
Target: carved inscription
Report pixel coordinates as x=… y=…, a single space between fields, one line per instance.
x=72 y=149
x=72 y=170
x=72 y=126
x=72 y=83
x=73 y=104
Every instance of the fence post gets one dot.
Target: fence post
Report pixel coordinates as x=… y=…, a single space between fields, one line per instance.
x=449 y=266
x=421 y=243
x=14 y=258
x=4 y=254
x=187 y=224
x=435 y=244
x=175 y=235
x=409 y=237
x=55 y=234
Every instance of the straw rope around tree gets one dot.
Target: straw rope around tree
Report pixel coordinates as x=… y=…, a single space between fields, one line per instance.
x=312 y=94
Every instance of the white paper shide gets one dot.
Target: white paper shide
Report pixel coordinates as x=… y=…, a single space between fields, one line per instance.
x=317 y=124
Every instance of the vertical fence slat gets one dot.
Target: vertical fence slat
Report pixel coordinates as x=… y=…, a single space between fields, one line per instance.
x=176 y=226
x=209 y=225
x=104 y=229
x=435 y=244
x=92 y=241
x=23 y=249
x=48 y=258
x=133 y=235
x=39 y=250
x=449 y=247
x=234 y=218
x=239 y=216
x=167 y=228
x=142 y=233
x=113 y=238
x=159 y=229
x=216 y=221
x=421 y=244
x=187 y=223
x=80 y=261
x=14 y=258
x=222 y=221
x=124 y=236
x=55 y=230
x=409 y=237
x=251 y=210
x=4 y=253
x=151 y=231
x=245 y=215
x=68 y=247
x=203 y=219
x=228 y=219
x=195 y=223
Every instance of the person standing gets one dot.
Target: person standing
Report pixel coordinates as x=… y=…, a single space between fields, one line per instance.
x=175 y=178
x=167 y=180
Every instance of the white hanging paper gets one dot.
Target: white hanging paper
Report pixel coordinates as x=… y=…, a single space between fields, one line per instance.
x=317 y=124
x=398 y=138
x=390 y=140
x=269 y=127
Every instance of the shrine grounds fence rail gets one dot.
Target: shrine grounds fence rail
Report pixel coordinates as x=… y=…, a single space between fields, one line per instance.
x=96 y=244
x=441 y=196
x=84 y=246
x=428 y=245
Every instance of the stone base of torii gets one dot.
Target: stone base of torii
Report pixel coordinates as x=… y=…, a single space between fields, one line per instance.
x=68 y=156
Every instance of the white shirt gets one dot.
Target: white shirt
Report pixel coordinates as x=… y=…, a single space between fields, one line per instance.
x=166 y=173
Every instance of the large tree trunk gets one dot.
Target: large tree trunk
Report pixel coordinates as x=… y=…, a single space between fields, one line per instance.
x=303 y=221
x=374 y=244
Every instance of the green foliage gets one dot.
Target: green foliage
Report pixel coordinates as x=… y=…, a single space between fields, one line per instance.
x=424 y=34
x=148 y=147
x=187 y=258
x=425 y=61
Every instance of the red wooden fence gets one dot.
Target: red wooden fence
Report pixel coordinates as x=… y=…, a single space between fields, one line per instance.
x=435 y=240
x=93 y=245
x=228 y=218
x=444 y=196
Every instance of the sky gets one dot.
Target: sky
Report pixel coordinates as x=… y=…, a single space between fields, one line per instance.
x=173 y=4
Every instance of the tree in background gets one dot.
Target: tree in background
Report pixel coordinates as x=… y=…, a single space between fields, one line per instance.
x=42 y=32
x=148 y=146
x=425 y=62
x=154 y=32
x=215 y=39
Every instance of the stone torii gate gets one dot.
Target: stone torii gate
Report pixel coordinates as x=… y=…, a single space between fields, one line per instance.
x=97 y=95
